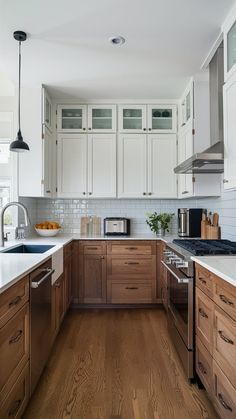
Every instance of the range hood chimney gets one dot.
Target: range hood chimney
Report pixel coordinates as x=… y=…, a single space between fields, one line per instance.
x=211 y=160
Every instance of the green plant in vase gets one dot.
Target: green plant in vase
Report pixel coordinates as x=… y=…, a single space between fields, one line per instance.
x=159 y=223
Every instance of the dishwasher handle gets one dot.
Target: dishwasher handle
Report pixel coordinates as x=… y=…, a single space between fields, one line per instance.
x=49 y=272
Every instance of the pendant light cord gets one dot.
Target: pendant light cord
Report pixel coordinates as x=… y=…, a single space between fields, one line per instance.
x=19 y=91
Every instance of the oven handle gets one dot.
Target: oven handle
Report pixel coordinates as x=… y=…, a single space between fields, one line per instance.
x=49 y=272
x=180 y=280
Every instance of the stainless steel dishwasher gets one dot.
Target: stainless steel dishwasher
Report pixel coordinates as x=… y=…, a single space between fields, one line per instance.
x=40 y=281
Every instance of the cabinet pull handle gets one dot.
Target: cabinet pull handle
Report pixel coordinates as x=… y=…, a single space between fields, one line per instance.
x=223 y=337
x=102 y=257
x=226 y=300
x=131 y=263
x=15 y=301
x=202 y=280
x=15 y=407
x=93 y=248
x=225 y=181
x=131 y=248
x=131 y=288
x=17 y=337
x=223 y=403
x=202 y=313
x=48 y=191
x=184 y=192
x=201 y=368
x=183 y=124
x=57 y=284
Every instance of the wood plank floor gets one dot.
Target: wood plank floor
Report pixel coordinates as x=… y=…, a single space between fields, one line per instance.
x=116 y=364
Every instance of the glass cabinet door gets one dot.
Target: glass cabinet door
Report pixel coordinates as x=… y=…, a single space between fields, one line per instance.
x=162 y=118
x=102 y=118
x=231 y=47
x=47 y=110
x=132 y=118
x=71 y=118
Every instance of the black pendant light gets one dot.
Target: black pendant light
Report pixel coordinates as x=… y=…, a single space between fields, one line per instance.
x=19 y=145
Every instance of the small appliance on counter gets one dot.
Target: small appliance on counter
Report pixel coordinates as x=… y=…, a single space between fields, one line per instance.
x=115 y=226
x=189 y=222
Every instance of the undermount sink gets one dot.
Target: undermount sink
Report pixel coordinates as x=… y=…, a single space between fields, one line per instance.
x=29 y=248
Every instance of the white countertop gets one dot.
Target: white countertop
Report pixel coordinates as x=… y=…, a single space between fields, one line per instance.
x=222 y=266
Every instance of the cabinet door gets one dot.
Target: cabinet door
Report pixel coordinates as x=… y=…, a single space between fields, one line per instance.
x=93 y=279
x=132 y=166
x=47 y=110
x=72 y=165
x=229 y=90
x=186 y=109
x=162 y=118
x=60 y=300
x=132 y=118
x=71 y=118
x=162 y=181
x=185 y=150
x=229 y=30
x=102 y=165
x=67 y=279
x=102 y=118
x=47 y=163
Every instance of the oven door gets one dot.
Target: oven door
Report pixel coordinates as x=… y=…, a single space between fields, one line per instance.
x=180 y=303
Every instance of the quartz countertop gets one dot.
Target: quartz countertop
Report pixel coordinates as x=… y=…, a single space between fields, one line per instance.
x=222 y=266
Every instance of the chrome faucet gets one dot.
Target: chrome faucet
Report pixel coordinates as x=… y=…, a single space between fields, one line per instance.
x=26 y=216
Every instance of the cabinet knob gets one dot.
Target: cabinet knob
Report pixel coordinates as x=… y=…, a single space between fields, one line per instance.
x=90 y=193
x=90 y=129
x=144 y=193
x=149 y=193
x=149 y=129
x=225 y=181
x=84 y=129
x=144 y=129
x=84 y=193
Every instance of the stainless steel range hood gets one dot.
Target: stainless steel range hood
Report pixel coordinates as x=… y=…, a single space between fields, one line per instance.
x=211 y=160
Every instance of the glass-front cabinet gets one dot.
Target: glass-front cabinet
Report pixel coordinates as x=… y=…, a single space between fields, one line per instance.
x=47 y=110
x=162 y=119
x=230 y=46
x=186 y=109
x=102 y=118
x=71 y=118
x=132 y=118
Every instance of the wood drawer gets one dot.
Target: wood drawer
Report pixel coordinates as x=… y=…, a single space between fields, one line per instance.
x=91 y=249
x=225 y=296
x=132 y=248
x=204 y=319
x=204 y=280
x=224 y=344
x=13 y=299
x=204 y=365
x=140 y=268
x=14 y=348
x=17 y=399
x=129 y=293
x=224 y=394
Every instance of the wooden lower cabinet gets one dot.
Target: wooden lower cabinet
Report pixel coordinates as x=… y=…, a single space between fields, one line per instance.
x=13 y=299
x=204 y=365
x=17 y=398
x=127 y=292
x=68 y=280
x=92 y=273
x=204 y=313
x=224 y=396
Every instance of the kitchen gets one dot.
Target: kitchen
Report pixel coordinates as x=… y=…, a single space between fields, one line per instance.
x=118 y=231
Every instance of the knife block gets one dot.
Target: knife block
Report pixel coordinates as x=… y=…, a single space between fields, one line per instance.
x=212 y=232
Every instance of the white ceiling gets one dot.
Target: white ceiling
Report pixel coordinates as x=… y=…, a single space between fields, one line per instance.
x=68 y=48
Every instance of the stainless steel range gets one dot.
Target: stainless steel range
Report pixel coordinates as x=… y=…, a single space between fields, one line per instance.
x=180 y=279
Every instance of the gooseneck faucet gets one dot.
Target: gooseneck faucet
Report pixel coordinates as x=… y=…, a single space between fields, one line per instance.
x=26 y=216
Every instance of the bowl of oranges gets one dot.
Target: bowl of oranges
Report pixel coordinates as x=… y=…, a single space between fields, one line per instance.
x=47 y=228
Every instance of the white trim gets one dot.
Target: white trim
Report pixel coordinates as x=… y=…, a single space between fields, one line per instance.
x=212 y=51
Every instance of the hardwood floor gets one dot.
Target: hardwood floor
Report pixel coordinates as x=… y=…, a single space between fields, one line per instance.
x=116 y=364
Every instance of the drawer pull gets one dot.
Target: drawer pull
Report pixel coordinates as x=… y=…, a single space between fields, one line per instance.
x=15 y=408
x=203 y=281
x=226 y=300
x=17 y=337
x=14 y=302
x=93 y=248
x=202 y=313
x=131 y=263
x=201 y=368
x=223 y=337
x=223 y=403
x=131 y=248
x=131 y=288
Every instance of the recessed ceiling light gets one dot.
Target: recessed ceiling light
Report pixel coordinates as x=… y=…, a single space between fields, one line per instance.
x=117 y=40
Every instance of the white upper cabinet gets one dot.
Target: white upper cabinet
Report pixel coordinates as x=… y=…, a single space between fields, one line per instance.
x=132 y=166
x=146 y=166
x=102 y=165
x=186 y=107
x=72 y=155
x=46 y=110
x=132 y=118
x=86 y=165
x=162 y=181
x=229 y=31
x=47 y=179
x=229 y=92
x=71 y=118
x=102 y=118
x=161 y=119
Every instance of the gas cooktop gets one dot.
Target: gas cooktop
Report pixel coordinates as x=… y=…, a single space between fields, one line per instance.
x=207 y=247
